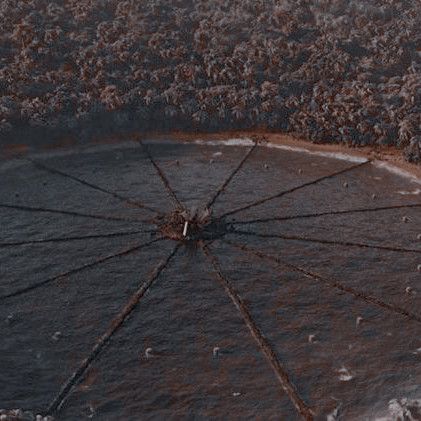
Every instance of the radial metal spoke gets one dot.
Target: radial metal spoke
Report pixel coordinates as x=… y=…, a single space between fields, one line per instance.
x=329 y=282
x=215 y=196
x=71 y=213
x=264 y=346
x=321 y=241
x=93 y=186
x=76 y=238
x=73 y=271
x=162 y=176
x=103 y=340
x=315 y=215
x=293 y=189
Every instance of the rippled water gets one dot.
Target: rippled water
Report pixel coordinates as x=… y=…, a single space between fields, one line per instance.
x=339 y=309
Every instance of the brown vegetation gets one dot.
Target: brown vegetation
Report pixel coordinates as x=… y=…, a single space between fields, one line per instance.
x=327 y=70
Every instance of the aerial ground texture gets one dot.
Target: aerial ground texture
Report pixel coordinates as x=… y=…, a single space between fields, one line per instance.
x=334 y=71
x=294 y=293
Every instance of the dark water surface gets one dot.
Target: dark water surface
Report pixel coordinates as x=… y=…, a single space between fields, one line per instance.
x=329 y=279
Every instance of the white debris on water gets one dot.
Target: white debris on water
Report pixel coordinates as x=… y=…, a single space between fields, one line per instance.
x=91 y=411
x=215 y=351
x=312 y=339
x=413 y=192
x=235 y=394
x=358 y=320
x=409 y=291
x=56 y=336
x=217 y=154
x=20 y=415
x=403 y=409
x=186 y=225
x=334 y=415
x=148 y=353
x=344 y=374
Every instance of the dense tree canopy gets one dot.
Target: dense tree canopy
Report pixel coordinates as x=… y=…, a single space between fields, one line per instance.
x=327 y=70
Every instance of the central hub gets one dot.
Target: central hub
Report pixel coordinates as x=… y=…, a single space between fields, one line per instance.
x=191 y=226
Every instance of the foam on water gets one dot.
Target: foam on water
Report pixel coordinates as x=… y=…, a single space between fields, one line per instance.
x=398 y=171
x=413 y=192
x=336 y=155
x=402 y=409
x=345 y=375
x=249 y=142
x=229 y=142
